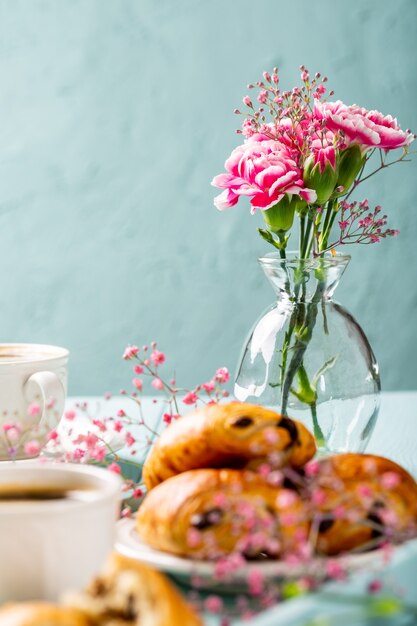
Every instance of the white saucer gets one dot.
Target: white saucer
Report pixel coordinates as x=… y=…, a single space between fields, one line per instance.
x=130 y=544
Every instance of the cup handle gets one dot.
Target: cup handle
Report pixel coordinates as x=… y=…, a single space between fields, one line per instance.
x=51 y=388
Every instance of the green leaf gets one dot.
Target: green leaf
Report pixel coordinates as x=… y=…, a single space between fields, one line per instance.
x=324 y=368
x=267 y=235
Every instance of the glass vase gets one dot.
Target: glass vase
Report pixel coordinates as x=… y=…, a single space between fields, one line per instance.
x=308 y=358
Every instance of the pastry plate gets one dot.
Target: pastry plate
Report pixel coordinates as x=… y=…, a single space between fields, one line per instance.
x=129 y=543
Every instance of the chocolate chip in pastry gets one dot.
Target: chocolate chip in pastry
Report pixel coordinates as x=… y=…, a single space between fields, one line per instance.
x=210 y=513
x=128 y=593
x=365 y=500
x=233 y=435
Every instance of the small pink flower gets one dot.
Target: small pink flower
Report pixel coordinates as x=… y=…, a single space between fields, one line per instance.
x=289 y=519
x=34 y=409
x=213 y=604
x=138 y=383
x=190 y=398
x=130 y=440
x=157 y=384
x=70 y=415
x=248 y=128
x=210 y=386
x=91 y=440
x=263 y=96
x=167 y=417
x=335 y=571
x=78 y=454
x=7 y=426
x=312 y=468
x=157 y=357
x=138 y=369
x=193 y=537
x=219 y=499
x=137 y=493
x=52 y=435
x=374 y=586
x=121 y=413
x=247 y=101
x=98 y=454
x=32 y=448
x=390 y=480
x=318 y=497
x=364 y=491
x=227 y=565
x=286 y=498
x=222 y=375
x=117 y=426
x=130 y=352
x=114 y=467
x=100 y=425
x=255 y=582
x=13 y=433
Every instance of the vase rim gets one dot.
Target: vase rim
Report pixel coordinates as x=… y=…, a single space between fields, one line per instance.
x=292 y=256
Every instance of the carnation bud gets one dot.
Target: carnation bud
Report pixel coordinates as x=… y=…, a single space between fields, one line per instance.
x=320 y=173
x=279 y=218
x=350 y=164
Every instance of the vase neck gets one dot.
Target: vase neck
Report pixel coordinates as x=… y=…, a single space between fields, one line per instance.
x=297 y=279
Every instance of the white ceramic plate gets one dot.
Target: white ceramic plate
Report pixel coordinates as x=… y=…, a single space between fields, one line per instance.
x=129 y=543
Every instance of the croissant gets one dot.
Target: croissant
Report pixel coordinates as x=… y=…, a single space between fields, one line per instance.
x=128 y=593
x=209 y=513
x=41 y=614
x=234 y=435
x=363 y=496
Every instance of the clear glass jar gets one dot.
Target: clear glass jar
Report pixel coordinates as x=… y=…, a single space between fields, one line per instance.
x=308 y=358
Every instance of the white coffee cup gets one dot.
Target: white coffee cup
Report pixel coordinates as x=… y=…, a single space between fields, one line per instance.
x=33 y=384
x=50 y=546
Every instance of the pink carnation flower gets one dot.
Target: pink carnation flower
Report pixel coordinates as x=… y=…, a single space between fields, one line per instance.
x=264 y=170
x=370 y=129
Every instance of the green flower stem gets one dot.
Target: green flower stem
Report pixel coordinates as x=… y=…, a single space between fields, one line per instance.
x=300 y=345
x=302 y=225
x=327 y=220
x=328 y=231
x=282 y=239
x=317 y=431
x=306 y=246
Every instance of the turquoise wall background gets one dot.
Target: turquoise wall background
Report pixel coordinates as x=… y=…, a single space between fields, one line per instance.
x=114 y=117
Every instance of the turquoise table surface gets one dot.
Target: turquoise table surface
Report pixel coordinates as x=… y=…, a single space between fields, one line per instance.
x=395 y=436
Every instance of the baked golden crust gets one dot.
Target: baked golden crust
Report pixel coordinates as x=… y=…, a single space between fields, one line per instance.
x=363 y=496
x=41 y=614
x=209 y=513
x=234 y=435
x=129 y=593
